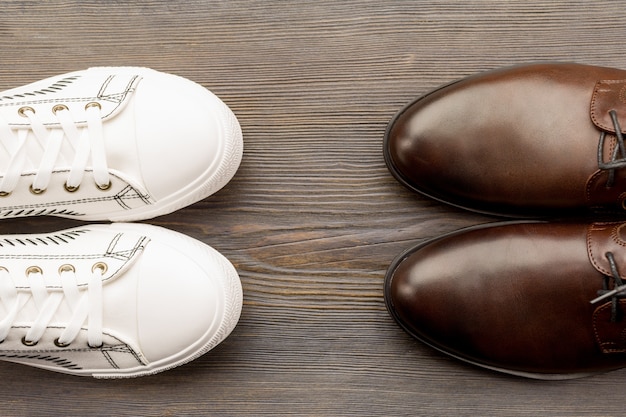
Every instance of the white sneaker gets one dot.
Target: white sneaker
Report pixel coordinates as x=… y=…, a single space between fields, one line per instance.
x=113 y=143
x=113 y=301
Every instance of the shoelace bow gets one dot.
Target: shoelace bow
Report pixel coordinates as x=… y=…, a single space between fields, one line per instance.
x=85 y=304
x=74 y=151
x=616 y=293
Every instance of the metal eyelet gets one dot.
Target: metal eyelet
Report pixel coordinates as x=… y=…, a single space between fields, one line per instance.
x=104 y=187
x=70 y=188
x=5 y=193
x=36 y=191
x=624 y=203
x=58 y=108
x=93 y=104
x=22 y=111
x=28 y=342
x=95 y=347
x=33 y=270
x=67 y=268
x=101 y=266
x=59 y=344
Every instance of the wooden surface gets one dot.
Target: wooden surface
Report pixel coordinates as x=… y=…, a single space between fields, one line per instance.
x=313 y=218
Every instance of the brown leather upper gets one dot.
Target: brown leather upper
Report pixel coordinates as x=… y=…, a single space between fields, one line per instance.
x=608 y=95
x=603 y=238
x=514 y=141
x=517 y=297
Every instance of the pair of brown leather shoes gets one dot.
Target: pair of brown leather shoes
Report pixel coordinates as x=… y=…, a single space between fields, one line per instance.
x=538 y=299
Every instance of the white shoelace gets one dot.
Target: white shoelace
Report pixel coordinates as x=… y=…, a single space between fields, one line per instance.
x=80 y=143
x=85 y=304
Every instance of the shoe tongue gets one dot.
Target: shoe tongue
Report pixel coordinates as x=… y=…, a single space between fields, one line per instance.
x=84 y=248
x=609 y=95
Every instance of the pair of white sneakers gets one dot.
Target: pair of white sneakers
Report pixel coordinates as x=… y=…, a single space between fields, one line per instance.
x=119 y=299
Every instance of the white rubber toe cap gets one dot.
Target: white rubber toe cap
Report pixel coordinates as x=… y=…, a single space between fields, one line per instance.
x=179 y=131
x=189 y=300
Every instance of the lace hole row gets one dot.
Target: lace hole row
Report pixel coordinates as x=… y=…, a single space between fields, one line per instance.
x=101 y=266
x=29 y=343
x=57 y=343
x=68 y=188
x=57 y=108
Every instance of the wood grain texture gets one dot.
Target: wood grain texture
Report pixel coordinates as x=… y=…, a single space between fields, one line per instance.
x=312 y=219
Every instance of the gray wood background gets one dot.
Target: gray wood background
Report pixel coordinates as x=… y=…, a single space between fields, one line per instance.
x=313 y=218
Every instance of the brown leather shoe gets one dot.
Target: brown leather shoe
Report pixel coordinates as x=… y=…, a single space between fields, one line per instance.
x=538 y=300
x=524 y=141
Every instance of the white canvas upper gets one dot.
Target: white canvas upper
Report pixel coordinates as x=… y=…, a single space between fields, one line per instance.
x=111 y=301
x=113 y=143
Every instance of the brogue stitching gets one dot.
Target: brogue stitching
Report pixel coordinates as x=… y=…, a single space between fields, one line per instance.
x=612 y=146
x=615 y=235
x=598 y=173
x=622 y=94
x=592 y=257
x=589 y=183
x=594 y=99
x=604 y=345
